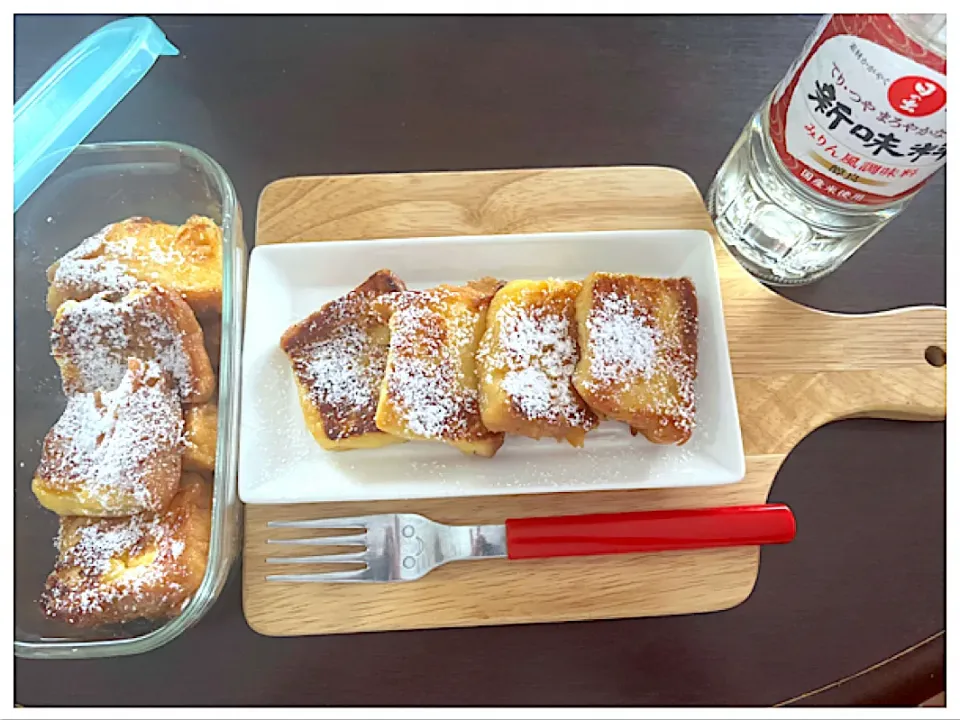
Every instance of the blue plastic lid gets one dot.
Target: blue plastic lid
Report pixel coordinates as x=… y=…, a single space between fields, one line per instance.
x=73 y=96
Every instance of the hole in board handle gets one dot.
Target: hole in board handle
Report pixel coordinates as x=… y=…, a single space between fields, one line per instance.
x=936 y=356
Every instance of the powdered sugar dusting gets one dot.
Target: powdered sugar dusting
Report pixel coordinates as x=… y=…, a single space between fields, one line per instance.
x=532 y=390
x=537 y=348
x=86 y=583
x=177 y=547
x=683 y=408
x=96 y=545
x=426 y=380
x=623 y=340
x=346 y=369
x=118 y=445
x=627 y=347
x=343 y=374
x=97 y=335
x=338 y=359
x=87 y=270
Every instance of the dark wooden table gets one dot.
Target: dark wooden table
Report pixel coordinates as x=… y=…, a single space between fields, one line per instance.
x=853 y=612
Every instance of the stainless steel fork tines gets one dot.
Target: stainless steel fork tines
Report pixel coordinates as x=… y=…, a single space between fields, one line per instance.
x=392 y=547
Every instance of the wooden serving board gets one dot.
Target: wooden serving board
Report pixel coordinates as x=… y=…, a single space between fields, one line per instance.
x=795 y=369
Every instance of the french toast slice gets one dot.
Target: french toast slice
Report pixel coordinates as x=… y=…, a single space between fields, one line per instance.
x=114 y=570
x=200 y=437
x=430 y=386
x=338 y=355
x=186 y=259
x=92 y=339
x=638 y=352
x=114 y=453
x=526 y=361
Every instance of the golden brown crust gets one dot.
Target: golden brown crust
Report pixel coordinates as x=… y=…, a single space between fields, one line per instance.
x=186 y=259
x=200 y=437
x=485 y=289
x=526 y=363
x=212 y=326
x=113 y=454
x=114 y=570
x=338 y=355
x=430 y=388
x=93 y=338
x=638 y=342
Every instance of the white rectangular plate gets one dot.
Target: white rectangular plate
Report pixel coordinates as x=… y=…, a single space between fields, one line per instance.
x=281 y=463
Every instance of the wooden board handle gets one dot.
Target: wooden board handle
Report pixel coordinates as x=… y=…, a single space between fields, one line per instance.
x=891 y=357
x=887 y=365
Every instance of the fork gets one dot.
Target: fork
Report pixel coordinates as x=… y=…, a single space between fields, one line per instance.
x=399 y=546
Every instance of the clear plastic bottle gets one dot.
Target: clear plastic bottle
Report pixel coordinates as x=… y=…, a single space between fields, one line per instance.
x=846 y=139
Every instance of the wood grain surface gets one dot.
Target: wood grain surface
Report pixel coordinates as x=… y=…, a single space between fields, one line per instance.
x=795 y=369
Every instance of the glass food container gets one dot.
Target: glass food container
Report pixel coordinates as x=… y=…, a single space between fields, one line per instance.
x=97 y=185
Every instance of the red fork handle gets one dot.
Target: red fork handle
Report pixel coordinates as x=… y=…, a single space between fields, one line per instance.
x=651 y=531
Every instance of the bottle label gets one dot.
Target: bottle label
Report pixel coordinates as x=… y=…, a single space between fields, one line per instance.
x=861 y=117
